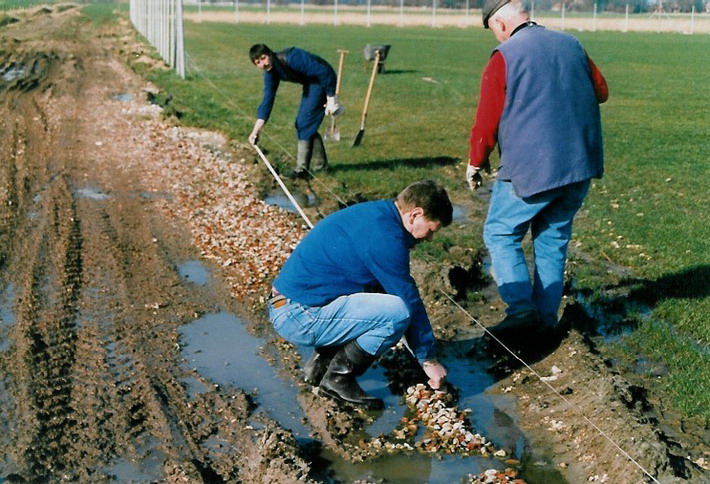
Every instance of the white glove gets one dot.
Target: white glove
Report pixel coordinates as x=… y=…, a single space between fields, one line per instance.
x=473 y=175
x=333 y=107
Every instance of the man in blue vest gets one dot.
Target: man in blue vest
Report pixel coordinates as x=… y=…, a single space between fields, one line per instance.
x=318 y=99
x=346 y=290
x=539 y=102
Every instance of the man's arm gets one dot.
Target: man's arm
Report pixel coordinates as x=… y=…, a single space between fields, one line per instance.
x=601 y=88
x=263 y=112
x=389 y=264
x=271 y=85
x=484 y=133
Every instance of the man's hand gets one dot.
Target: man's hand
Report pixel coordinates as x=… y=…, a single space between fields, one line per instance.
x=436 y=373
x=473 y=175
x=254 y=136
x=333 y=107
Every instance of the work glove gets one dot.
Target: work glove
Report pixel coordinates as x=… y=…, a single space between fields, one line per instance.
x=473 y=175
x=333 y=107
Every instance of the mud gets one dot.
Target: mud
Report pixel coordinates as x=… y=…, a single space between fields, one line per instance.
x=135 y=258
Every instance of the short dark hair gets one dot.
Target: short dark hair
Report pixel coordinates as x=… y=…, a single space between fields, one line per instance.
x=431 y=196
x=257 y=50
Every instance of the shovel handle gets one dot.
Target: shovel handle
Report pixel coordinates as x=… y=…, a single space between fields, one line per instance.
x=369 y=88
x=340 y=69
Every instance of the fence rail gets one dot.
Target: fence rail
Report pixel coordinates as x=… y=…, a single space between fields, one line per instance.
x=434 y=15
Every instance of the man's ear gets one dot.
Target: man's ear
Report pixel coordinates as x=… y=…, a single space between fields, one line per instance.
x=416 y=212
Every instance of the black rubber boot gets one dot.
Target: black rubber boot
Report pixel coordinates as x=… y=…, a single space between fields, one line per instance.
x=317 y=364
x=339 y=381
x=319 y=159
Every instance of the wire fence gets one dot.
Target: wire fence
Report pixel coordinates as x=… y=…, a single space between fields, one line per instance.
x=572 y=15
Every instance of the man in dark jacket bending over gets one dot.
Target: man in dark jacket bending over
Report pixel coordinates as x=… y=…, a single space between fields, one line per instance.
x=317 y=100
x=346 y=290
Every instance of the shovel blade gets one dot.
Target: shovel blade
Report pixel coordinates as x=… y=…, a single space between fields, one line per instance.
x=332 y=135
x=358 y=138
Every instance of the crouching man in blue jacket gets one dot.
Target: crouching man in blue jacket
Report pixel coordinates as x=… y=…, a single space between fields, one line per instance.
x=347 y=290
x=318 y=99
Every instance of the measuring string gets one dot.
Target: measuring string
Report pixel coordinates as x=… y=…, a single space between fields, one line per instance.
x=552 y=389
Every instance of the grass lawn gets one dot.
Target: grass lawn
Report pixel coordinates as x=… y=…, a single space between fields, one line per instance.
x=649 y=215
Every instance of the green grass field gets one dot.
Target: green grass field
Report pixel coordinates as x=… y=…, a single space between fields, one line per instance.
x=648 y=215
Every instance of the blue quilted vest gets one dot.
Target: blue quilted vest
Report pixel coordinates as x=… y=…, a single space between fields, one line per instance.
x=550 y=130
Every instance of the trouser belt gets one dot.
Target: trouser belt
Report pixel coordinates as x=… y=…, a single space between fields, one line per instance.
x=276 y=299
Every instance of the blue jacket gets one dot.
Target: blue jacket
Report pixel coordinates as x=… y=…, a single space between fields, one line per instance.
x=301 y=67
x=550 y=130
x=362 y=248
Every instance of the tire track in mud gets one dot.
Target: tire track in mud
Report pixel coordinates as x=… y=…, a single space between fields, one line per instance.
x=94 y=385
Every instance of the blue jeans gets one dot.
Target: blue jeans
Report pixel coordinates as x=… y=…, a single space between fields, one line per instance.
x=548 y=216
x=377 y=321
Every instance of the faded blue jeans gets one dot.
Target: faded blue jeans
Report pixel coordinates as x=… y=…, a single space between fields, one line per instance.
x=377 y=321
x=548 y=216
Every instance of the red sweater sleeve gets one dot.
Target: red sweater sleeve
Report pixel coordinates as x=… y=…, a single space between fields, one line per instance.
x=484 y=133
x=600 y=86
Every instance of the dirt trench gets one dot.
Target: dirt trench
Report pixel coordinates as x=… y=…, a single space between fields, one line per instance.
x=101 y=199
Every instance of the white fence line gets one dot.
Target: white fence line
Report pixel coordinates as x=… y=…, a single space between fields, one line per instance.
x=161 y=23
x=434 y=15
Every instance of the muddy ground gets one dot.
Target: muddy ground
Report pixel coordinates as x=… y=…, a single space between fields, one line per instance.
x=102 y=199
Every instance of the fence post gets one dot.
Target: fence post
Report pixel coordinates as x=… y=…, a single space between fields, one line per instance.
x=562 y=17
x=180 y=42
x=692 y=20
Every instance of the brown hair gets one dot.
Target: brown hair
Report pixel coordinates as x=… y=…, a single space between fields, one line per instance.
x=431 y=196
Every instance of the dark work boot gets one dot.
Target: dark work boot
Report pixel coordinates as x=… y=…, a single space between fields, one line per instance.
x=339 y=381
x=319 y=159
x=317 y=364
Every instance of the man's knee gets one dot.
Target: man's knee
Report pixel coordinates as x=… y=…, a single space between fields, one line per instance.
x=398 y=313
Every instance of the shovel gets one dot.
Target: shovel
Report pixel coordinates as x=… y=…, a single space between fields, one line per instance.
x=332 y=133
x=361 y=133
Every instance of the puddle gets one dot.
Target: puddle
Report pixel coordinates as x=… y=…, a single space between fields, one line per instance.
x=123 y=97
x=220 y=349
x=129 y=470
x=459 y=215
x=278 y=197
x=7 y=316
x=91 y=193
x=218 y=346
x=194 y=272
x=13 y=73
